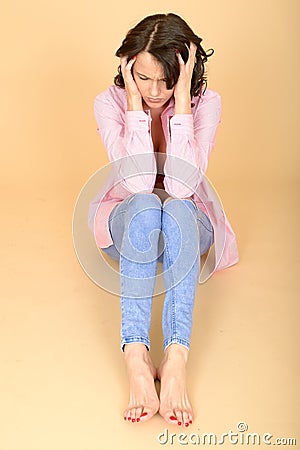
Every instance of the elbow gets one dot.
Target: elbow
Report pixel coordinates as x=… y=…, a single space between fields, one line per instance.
x=184 y=180
x=178 y=188
x=139 y=184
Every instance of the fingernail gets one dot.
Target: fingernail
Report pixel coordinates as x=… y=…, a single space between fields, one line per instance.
x=133 y=420
x=144 y=414
x=138 y=419
x=177 y=51
x=179 y=423
x=173 y=418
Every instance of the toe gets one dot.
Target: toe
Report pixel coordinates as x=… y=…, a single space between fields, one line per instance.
x=179 y=417
x=138 y=413
x=185 y=418
x=133 y=415
x=170 y=417
x=146 y=415
x=126 y=414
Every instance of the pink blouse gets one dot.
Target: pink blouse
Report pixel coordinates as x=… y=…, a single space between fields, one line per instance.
x=190 y=138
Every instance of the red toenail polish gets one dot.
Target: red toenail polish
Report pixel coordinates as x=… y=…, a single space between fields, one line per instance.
x=129 y=418
x=191 y=421
x=179 y=423
x=186 y=424
x=144 y=414
x=124 y=418
x=133 y=420
x=173 y=418
x=138 y=419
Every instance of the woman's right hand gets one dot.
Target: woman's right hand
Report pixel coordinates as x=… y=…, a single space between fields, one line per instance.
x=134 y=98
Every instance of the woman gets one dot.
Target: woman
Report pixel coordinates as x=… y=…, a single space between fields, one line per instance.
x=158 y=112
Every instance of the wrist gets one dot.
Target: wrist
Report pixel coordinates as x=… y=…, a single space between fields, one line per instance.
x=134 y=104
x=183 y=106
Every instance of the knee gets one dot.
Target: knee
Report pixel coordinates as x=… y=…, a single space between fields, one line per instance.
x=178 y=202
x=145 y=200
x=184 y=208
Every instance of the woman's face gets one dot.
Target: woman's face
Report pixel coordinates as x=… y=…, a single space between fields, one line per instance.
x=150 y=79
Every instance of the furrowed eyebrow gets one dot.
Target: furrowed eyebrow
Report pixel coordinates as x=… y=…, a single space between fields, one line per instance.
x=142 y=75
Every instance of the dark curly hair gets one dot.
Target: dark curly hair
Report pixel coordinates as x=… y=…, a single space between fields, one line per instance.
x=161 y=35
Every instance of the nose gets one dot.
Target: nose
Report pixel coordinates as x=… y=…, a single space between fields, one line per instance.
x=154 y=89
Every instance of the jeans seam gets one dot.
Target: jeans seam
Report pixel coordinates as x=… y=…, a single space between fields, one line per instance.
x=135 y=339
x=176 y=340
x=127 y=221
x=173 y=335
x=172 y=299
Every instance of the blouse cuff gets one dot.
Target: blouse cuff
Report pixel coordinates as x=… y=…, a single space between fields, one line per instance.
x=137 y=120
x=182 y=124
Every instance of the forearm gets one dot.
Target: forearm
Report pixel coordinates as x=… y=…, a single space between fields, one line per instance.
x=139 y=169
x=134 y=103
x=183 y=103
x=182 y=164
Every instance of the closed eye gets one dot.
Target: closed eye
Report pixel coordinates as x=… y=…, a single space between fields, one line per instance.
x=143 y=77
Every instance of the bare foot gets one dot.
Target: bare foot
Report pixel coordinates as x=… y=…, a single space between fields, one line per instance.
x=175 y=406
x=143 y=399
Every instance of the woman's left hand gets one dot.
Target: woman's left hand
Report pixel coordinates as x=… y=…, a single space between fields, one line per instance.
x=183 y=86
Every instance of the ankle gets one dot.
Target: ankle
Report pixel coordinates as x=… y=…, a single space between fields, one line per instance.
x=176 y=352
x=135 y=350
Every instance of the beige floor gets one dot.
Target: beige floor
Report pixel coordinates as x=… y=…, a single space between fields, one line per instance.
x=64 y=384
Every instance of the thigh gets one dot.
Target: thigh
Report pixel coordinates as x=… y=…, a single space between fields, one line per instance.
x=206 y=231
x=116 y=221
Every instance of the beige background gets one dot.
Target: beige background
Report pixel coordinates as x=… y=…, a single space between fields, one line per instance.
x=63 y=381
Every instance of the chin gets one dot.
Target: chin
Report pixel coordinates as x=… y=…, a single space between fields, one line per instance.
x=153 y=105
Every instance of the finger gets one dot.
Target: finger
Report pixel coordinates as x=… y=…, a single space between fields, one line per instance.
x=123 y=61
x=192 y=52
x=179 y=57
x=131 y=62
x=126 y=66
x=193 y=48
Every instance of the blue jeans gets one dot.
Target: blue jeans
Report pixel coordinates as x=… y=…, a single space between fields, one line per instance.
x=137 y=225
